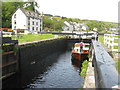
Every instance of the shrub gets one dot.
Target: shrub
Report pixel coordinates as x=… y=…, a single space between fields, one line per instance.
x=84 y=68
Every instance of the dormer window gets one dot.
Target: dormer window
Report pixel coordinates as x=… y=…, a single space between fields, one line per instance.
x=15 y=16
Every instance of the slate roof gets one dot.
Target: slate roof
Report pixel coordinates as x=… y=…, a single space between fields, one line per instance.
x=29 y=13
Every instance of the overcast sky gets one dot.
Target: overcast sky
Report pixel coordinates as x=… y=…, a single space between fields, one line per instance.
x=102 y=10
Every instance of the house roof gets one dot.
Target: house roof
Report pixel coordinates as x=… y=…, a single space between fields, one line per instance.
x=29 y=13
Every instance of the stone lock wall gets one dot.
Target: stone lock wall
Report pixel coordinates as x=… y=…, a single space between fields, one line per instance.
x=32 y=57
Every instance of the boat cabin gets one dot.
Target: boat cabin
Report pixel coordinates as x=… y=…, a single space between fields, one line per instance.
x=79 y=54
x=86 y=47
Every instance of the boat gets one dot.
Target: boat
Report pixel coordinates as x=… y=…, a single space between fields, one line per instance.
x=78 y=54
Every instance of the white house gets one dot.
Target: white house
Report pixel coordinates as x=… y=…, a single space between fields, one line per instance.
x=28 y=20
x=68 y=26
x=85 y=27
x=65 y=27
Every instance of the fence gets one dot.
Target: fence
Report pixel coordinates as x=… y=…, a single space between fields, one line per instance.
x=111 y=40
x=7 y=34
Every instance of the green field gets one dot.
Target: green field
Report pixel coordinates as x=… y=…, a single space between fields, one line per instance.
x=31 y=37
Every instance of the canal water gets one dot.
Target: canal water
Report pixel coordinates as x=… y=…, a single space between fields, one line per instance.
x=55 y=71
x=61 y=74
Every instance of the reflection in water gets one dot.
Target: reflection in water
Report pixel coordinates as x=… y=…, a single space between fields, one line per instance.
x=77 y=64
x=39 y=69
x=55 y=71
x=61 y=74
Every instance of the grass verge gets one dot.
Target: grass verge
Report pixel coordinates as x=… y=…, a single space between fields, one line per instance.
x=31 y=37
x=118 y=66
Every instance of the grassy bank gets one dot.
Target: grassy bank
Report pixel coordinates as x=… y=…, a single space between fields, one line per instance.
x=31 y=37
x=118 y=65
x=84 y=68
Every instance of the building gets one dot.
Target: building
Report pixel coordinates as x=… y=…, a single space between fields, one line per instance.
x=74 y=26
x=26 y=20
x=85 y=27
x=68 y=26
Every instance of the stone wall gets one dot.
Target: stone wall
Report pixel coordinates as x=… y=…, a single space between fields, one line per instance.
x=36 y=51
x=32 y=57
x=106 y=75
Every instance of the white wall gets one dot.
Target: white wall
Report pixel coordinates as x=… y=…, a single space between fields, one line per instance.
x=84 y=28
x=69 y=25
x=21 y=21
x=41 y=23
x=35 y=25
x=65 y=28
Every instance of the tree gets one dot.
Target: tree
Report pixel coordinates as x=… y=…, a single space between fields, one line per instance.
x=96 y=24
x=52 y=24
x=109 y=25
x=100 y=26
x=8 y=8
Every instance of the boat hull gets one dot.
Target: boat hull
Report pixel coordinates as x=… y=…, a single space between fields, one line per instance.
x=80 y=57
x=76 y=56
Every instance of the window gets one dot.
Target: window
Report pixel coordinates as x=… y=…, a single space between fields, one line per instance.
x=28 y=28
x=36 y=23
x=36 y=28
x=28 y=18
x=14 y=22
x=33 y=22
x=28 y=22
x=15 y=16
x=33 y=28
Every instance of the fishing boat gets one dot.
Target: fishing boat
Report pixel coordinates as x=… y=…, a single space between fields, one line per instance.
x=78 y=54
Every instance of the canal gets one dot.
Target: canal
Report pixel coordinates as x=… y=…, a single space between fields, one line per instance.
x=56 y=70
x=61 y=74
